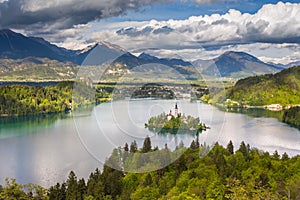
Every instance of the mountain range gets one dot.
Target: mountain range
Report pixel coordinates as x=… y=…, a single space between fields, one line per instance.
x=235 y=65
x=16 y=48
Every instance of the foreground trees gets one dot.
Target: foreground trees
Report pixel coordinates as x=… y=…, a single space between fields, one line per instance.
x=246 y=173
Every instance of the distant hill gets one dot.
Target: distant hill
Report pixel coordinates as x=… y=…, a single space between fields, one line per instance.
x=164 y=61
x=284 y=66
x=292 y=64
x=33 y=68
x=182 y=67
x=281 y=88
x=235 y=65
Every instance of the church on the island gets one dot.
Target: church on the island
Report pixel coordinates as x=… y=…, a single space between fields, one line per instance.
x=176 y=114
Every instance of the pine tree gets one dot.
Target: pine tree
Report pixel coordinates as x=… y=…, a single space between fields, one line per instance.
x=193 y=145
x=54 y=192
x=285 y=156
x=244 y=149
x=230 y=147
x=81 y=189
x=276 y=156
x=63 y=191
x=95 y=186
x=112 y=181
x=133 y=147
x=72 y=189
x=125 y=153
x=147 y=145
x=197 y=142
x=126 y=147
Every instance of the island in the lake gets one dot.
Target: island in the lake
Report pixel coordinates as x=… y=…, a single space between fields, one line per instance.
x=175 y=123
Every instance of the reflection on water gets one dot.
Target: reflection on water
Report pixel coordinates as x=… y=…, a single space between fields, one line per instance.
x=17 y=126
x=43 y=149
x=255 y=112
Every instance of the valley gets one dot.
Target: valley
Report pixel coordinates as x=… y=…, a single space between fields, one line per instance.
x=118 y=74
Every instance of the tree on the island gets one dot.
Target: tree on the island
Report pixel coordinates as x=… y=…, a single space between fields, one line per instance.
x=230 y=147
x=147 y=145
x=163 y=124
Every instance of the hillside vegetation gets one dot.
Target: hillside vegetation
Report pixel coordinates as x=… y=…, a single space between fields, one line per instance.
x=281 y=88
x=22 y=100
x=36 y=69
x=292 y=116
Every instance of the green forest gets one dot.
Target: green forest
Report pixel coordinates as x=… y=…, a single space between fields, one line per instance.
x=23 y=100
x=281 y=88
x=175 y=125
x=201 y=172
x=292 y=116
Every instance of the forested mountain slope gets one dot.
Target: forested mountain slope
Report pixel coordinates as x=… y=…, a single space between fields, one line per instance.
x=281 y=88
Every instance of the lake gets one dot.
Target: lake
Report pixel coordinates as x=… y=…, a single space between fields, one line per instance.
x=44 y=149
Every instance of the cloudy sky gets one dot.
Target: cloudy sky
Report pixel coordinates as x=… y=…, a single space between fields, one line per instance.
x=191 y=29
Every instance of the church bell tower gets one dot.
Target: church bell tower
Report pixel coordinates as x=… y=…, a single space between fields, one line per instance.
x=176 y=111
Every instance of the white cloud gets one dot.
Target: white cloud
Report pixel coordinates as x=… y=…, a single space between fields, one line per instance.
x=271 y=24
x=280 y=60
x=272 y=32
